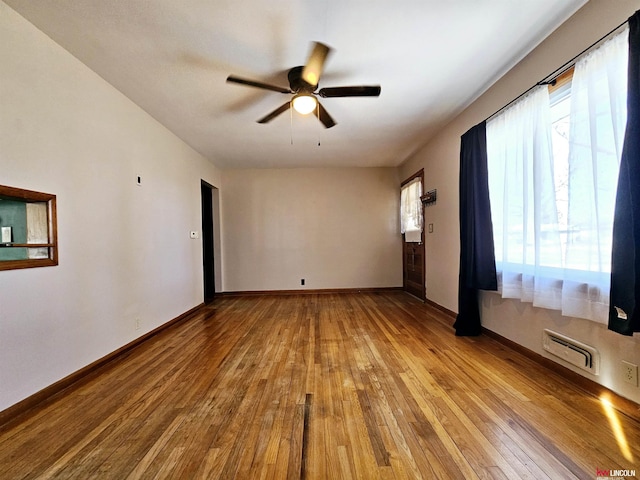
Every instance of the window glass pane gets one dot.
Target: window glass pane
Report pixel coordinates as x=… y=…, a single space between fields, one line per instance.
x=411 y=206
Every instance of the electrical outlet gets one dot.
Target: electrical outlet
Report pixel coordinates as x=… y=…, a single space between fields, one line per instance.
x=302 y=281
x=137 y=324
x=630 y=373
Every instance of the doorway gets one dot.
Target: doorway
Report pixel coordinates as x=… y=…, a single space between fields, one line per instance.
x=208 y=242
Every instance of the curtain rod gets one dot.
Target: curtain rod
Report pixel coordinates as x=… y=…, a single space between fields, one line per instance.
x=550 y=79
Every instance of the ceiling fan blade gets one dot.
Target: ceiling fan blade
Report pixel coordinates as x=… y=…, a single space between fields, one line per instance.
x=282 y=108
x=324 y=116
x=252 y=83
x=360 y=91
x=315 y=63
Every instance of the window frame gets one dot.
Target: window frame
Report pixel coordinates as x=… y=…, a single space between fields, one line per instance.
x=30 y=196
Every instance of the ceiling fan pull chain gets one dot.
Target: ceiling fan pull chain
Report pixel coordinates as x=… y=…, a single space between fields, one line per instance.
x=318 y=115
x=291 y=121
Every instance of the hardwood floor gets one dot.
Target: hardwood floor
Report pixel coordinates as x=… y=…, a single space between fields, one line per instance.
x=328 y=386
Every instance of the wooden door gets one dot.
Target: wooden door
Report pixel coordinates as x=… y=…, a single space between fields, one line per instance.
x=413 y=276
x=413 y=269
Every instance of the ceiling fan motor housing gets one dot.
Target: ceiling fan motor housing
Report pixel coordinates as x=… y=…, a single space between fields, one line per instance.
x=297 y=84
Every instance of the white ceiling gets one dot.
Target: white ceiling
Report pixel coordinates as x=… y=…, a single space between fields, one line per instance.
x=171 y=57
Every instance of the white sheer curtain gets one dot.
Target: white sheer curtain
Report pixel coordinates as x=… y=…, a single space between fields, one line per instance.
x=560 y=265
x=411 y=209
x=523 y=205
x=598 y=119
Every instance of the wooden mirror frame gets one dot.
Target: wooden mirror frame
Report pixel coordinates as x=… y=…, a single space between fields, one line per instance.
x=29 y=196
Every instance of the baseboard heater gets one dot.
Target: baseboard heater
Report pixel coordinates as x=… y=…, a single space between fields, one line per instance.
x=576 y=353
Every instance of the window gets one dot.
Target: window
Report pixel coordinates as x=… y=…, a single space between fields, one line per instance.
x=28 y=231
x=411 y=207
x=560 y=103
x=553 y=160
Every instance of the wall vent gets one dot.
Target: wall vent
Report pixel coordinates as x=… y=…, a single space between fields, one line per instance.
x=571 y=351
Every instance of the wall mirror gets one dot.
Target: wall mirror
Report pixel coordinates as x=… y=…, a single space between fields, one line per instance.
x=28 y=229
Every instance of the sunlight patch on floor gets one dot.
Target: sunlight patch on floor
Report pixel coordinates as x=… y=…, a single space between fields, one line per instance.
x=616 y=427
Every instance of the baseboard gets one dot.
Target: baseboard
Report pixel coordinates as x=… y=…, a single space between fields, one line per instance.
x=622 y=404
x=310 y=291
x=451 y=316
x=12 y=413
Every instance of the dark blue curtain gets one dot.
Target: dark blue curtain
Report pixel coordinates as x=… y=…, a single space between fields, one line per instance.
x=624 y=312
x=477 y=255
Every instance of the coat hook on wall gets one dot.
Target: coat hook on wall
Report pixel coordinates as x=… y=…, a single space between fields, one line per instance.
x=429 y=198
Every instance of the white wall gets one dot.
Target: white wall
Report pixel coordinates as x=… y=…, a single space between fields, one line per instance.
x=125 y=251
x=334 y=227
x=440 y=159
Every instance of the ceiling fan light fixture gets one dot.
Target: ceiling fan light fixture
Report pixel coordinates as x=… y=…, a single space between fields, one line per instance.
x=303 y=81
x=304 y=104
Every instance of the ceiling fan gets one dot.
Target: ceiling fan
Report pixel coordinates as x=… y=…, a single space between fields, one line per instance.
x=303 y=81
